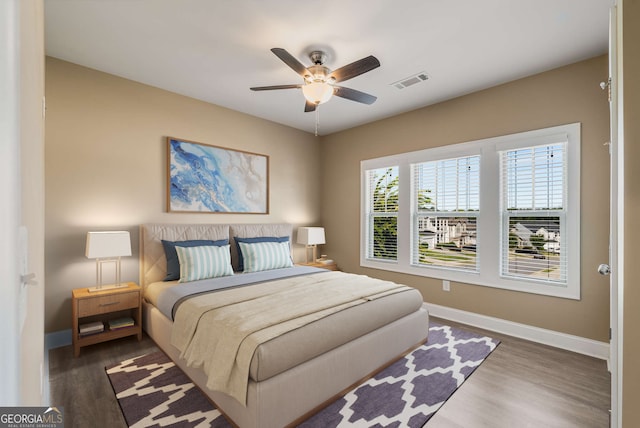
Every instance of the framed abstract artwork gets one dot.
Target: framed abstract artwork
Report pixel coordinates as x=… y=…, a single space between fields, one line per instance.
x=209 y=179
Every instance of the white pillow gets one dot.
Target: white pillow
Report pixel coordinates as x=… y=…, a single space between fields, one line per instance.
x=203 y=262
x=259 y=256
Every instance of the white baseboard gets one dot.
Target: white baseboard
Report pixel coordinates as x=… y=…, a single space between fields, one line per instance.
x=556 y=339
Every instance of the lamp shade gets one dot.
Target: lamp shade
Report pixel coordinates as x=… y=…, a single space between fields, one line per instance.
x=317 y=92
x=311 y=235
x=108 y=244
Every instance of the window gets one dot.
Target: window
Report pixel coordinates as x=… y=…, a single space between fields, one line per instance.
x=533 y=212
x=495 y=212
x=382 y=213
x=446 y=199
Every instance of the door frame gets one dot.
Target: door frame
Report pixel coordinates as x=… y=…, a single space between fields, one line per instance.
x=616 y=209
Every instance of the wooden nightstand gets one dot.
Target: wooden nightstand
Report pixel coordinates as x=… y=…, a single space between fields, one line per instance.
x=328 y=266
x=103 y=306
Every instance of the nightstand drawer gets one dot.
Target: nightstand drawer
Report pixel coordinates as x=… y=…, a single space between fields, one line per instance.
x=104 y=304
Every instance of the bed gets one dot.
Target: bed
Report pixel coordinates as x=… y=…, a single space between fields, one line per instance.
x=294 y=373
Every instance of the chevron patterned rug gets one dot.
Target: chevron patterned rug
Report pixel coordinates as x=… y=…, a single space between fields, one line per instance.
x=152 y=391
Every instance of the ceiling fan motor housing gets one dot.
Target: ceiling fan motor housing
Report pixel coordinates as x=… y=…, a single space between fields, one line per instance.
x=317 y=73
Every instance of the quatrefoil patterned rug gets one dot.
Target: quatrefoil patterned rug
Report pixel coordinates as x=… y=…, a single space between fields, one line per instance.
x=152 y=391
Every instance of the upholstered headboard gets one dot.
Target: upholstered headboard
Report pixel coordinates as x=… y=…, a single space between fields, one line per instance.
x=153 y=263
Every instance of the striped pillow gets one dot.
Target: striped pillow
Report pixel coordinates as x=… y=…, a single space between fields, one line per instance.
x=261 y=256
x=173 y=265
x=204 y=262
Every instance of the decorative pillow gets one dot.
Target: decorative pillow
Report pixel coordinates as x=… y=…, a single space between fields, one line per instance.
x=261 y=256
x=173 y=266
x=254 y=240
x=204 y=262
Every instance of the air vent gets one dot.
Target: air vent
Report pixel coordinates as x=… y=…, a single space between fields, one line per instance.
x=411 y=80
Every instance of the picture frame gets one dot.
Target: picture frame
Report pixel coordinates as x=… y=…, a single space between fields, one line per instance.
x=203 y=178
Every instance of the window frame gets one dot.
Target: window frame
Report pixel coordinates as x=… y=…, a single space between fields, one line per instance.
x=489 y=221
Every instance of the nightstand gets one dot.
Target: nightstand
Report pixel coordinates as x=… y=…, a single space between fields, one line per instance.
x=328 y=266
x=102 y=307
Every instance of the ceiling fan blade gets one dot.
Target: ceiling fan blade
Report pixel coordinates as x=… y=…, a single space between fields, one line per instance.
x=269 y=88
x=309 y=107
x=354 y=69
x=291 y=61
x=353 y=95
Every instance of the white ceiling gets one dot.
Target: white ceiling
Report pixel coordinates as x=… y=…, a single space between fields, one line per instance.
x=214 y=50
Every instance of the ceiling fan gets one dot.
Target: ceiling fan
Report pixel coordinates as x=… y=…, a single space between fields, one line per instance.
x=320 y=82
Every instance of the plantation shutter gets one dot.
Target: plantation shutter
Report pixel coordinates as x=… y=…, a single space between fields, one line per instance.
x=382 y=213
x=534 y=206
x=446 y=195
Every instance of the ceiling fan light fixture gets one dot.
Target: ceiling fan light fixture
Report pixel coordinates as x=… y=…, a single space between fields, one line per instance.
x=317 y=92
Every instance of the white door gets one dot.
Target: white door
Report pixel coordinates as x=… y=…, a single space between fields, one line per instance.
x=10 y=212
x=611 y=268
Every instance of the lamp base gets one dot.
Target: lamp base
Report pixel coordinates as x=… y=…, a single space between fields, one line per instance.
x=106 y=287
x=314 y=249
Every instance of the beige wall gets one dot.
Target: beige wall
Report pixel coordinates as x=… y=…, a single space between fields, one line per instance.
x=631 y=320
x=106 y=161
x=566 y=95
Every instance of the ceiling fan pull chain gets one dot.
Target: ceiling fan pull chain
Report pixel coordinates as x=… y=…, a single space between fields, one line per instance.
x=317 y=118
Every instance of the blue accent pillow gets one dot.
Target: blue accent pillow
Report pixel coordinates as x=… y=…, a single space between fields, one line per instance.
x=173 y=264
x=253 y=241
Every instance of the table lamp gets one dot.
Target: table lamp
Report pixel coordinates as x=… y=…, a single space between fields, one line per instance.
x=107 y=247
x=310 y=237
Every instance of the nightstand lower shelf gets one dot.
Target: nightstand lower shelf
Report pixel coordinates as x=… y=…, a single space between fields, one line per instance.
x=92 y=339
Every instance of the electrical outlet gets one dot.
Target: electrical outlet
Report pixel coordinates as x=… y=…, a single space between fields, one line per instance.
x=446 y=286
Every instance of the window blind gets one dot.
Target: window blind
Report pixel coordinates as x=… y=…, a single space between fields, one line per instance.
x=534 y=202
x=382 y=213
x=446 y=199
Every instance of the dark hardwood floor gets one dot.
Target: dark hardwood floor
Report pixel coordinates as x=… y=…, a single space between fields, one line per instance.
x=525 y=384
x=81 y=386
x=521 y=384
